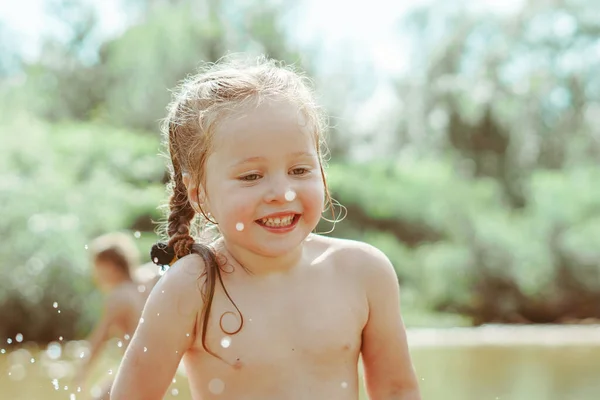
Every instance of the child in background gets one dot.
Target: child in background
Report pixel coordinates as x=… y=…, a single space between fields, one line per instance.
x=268 y=309
x=115 y=259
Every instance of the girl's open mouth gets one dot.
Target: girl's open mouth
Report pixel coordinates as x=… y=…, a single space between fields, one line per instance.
x=281 y=223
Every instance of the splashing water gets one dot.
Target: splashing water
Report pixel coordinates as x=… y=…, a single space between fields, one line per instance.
x=54 y=350
x=96 y=391
x=239 y=226
x=216 y=386
x=290 y=195
x=226 y=342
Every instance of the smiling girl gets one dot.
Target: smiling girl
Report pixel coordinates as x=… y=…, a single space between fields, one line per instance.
x=266 y=310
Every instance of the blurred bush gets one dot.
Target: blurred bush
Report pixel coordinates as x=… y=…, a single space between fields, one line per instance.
x=459 y=247
x=60 y=186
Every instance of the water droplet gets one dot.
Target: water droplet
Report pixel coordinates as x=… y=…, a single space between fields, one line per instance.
x=141 y=320
x=119 y=344
x=216 y=386
x=72 y=396
x=127 y=337
x=250 y=319
x=145 y=349
x=60 y=338
x=174 y=380
x=155 y=260
x=110 y=371
x=55 y=305
x=32 y=360
x=158 y=314
x=85 y=247
x=141 y=288
x=344 y=385
x=290 y=195
x=2 y=351
x=96 y=391
x=17 y=372
x=54 y=350
x=137 y=234
x=9 y=340
x=66 y=387
x=19 y=337
x=162 y=291
x=226 y=342
x=239 y=226
x=174 y=392
x=59 y=311
x=55 y=383
x=78 y=389
x=81 y=355
x=187 y=334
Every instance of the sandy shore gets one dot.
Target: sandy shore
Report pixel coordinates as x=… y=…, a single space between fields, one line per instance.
x=506 y=335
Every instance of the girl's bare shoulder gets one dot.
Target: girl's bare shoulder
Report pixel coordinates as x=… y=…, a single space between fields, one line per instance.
x=351 y=255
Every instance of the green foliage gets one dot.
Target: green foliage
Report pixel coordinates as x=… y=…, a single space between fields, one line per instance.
x=479 y=239
x=62 y=185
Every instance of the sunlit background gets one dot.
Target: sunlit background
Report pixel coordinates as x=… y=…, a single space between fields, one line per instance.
x=464 y=142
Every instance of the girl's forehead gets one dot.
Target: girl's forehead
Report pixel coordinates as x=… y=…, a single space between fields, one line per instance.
x=267 y=125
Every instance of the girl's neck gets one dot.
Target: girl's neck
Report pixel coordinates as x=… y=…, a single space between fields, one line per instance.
x=259 y=265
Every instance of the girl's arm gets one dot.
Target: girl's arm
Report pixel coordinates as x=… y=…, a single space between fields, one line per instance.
x=163 y=335
x=389 y=373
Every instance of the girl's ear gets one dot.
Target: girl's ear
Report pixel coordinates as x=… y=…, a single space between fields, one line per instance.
x=196 y=193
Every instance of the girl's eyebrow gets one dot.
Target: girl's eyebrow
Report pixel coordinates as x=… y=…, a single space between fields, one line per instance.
x=296 y=154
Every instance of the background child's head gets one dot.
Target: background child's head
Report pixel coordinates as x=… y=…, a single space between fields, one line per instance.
x=204 y=104
x=114 y=257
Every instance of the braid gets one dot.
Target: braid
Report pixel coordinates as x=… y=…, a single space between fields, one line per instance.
x=180 y=216
x=181 y=243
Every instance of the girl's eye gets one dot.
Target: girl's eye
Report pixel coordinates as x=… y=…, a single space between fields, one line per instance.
x=249 y=178
x=299 y=171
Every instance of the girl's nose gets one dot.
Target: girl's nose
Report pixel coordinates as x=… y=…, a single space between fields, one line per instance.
x=280 y=191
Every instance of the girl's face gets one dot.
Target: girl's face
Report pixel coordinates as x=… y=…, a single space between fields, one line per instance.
x=263 y=184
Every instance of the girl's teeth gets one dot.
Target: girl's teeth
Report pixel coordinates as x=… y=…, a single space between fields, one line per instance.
x=278 y=222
